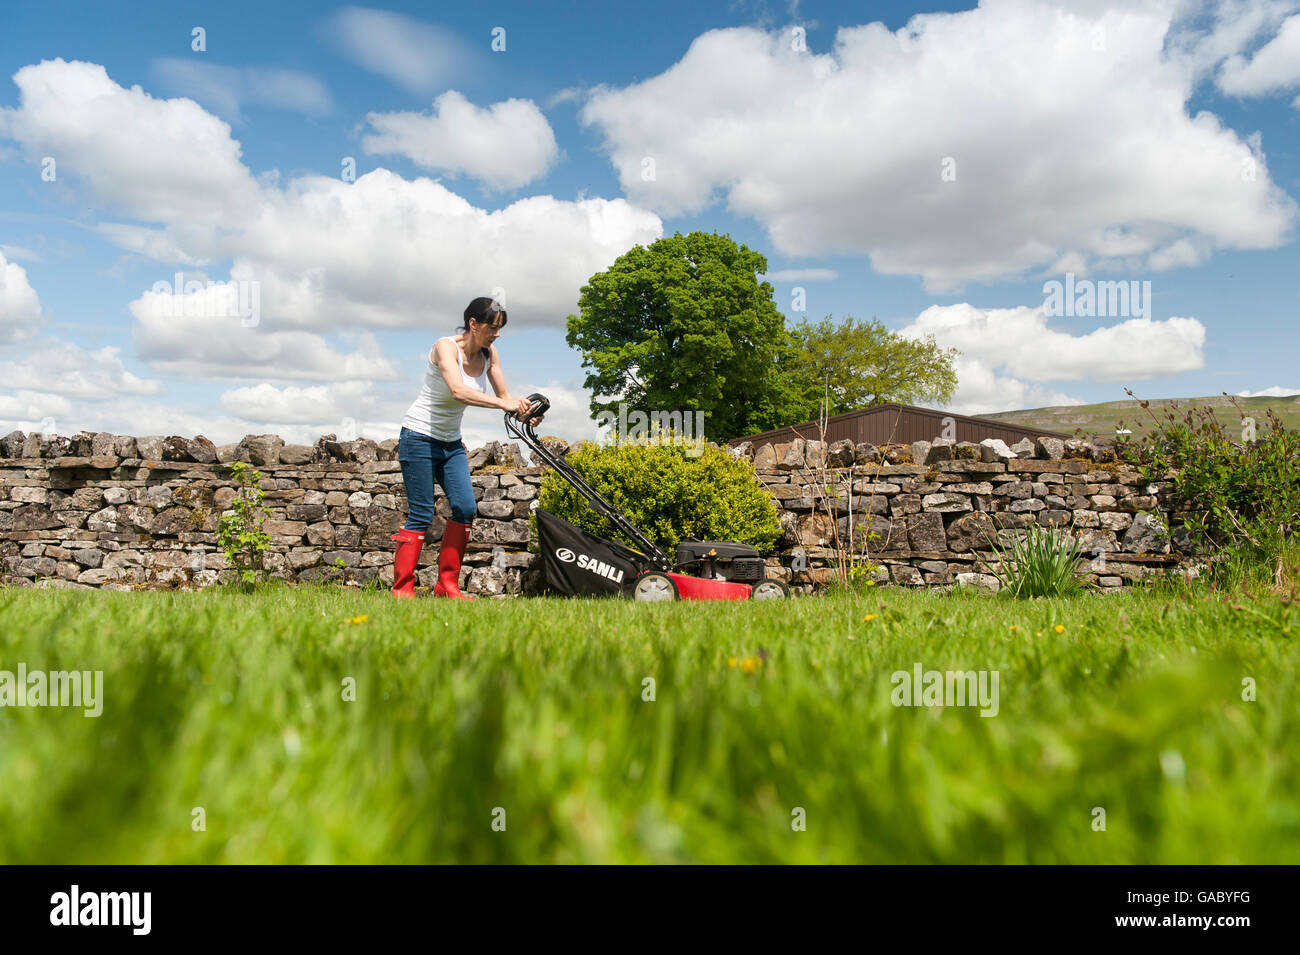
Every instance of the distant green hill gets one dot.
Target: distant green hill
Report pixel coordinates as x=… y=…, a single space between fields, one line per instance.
x=1104 y=418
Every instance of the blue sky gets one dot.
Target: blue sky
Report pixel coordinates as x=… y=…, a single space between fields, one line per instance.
x=929 y=165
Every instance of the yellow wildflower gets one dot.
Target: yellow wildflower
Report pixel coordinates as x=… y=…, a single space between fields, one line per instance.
x=749 y=664
x=1014 y=628
x=361 y=619
x=731 y=661
x=1059 y=628
x=869 y=617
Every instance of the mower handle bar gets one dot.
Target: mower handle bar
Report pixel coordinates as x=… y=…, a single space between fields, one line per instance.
x=522 y=429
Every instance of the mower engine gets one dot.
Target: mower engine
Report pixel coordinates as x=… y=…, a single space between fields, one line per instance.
x=721 y=560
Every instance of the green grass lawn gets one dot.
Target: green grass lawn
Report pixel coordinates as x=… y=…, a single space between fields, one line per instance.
x=233 y=703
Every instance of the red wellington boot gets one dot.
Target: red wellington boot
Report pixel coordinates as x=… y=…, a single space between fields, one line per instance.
x=409 y=545
x=454 y=539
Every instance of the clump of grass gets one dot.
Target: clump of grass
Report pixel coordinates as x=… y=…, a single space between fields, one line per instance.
x=1039 y=564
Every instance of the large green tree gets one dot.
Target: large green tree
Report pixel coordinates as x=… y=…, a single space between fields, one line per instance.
x=684 y=324
x=853 y=364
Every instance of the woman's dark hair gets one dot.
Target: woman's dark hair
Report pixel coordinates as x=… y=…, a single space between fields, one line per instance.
x=484 y=309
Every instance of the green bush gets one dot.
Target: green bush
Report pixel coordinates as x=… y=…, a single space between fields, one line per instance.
x=1039 y=564
x=1240 y=496
x=670 y=491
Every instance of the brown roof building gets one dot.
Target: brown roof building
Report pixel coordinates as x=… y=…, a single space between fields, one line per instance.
x=901 y=424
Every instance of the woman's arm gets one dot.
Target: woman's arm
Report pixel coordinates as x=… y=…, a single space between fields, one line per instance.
x=445 y=352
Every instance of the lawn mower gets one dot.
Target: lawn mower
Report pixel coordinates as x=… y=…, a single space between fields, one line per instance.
x=580 y=564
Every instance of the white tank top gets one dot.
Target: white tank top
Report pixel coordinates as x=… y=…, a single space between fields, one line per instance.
x=435 y=412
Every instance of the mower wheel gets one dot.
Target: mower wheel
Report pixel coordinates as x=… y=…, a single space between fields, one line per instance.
x=769 y=590
x=653 y=587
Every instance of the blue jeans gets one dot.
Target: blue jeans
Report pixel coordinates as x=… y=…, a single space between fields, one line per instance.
x=425 y=460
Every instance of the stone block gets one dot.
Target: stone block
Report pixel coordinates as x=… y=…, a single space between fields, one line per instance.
x=971 y=532
x=309 y=513
x=979 y=581
x=866 y=453
x=925 y=532
x=793 y=458
x=171 y=522
x=905 y=575
x=939 y=452
x=496 y=509
x=296 y=454
x=945 y=503
x=285 y=528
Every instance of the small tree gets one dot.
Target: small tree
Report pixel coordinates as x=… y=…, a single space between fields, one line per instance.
x=855 y=364
x=685 y=325
x=239 y=532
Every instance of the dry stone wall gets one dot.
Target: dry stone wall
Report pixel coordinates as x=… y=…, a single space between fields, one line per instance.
x=927 y=514
x=123 y=513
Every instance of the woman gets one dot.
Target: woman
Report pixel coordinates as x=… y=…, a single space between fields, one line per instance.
x=430 y=448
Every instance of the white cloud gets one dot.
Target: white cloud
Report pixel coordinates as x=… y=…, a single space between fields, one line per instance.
x=505 y=146
x=138 y=417
x=204 y=334
x=412 y=53
x=1020 y=341
x=387 y=252
x=159 y=160
x=1057 y=147
x=27 y=410
x=1274 y=392
x=325 y=256
x=1276 y=66
x=314 y=404
x=223 y=89
x=982 y=391
x=1183 y=252
x=1007 y=352
x=1205 y=33
x=36 y=411
x=570 y=94
x=155 y=244
x=20 y=308
x=381 y=252
x=67 y=369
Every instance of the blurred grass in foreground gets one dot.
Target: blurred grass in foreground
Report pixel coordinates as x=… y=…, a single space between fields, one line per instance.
x=233 y=703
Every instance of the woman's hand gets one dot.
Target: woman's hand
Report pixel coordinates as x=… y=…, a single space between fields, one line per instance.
x=517 y=406
x=520 y=407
